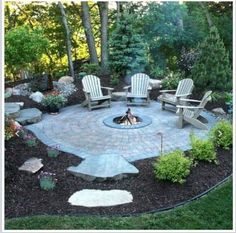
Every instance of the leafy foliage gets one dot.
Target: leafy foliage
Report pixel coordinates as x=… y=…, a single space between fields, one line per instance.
x=174 y=167
x=202 y=149
x=222 y=134
x=212 y=69
x=172 y=80
x=127 y=50
x=91 y=68
x=47 y=180
x=54 y=101
x=24 y=47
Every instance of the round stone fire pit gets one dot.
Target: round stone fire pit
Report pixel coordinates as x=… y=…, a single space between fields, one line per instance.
x=114 y=121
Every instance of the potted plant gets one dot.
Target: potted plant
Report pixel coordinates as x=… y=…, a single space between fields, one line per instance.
x=53 y=103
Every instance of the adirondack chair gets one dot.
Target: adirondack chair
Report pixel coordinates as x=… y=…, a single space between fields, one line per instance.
x=139 y=90
x=191 y=114
x=94 y=97
x=184 y=89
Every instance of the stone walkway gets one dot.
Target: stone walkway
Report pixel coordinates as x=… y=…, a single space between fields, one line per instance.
x=83 y=133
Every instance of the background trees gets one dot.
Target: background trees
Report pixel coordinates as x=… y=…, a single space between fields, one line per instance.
x=153 y=37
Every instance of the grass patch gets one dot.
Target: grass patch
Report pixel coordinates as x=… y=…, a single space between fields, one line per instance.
x=213 y=211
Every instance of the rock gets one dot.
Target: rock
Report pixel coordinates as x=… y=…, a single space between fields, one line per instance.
x=41 y=83
x=65 y=89
x=102 y=167
x=29 y=116
x=21 y=104
x=37 y=96
x=95 y=198
x=66 y=80
x=118 y=96
x=12 y=109
x=219 y=111
x=31 y=165
x=155 y=83
x=22 y=89
x=8 y=92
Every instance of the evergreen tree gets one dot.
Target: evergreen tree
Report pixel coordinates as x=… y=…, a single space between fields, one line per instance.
x=212 y=70
x=127 y=50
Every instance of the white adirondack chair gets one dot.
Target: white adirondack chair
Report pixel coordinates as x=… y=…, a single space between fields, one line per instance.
x=93 y=93
x=191 y=114
x=139 y=90
x=184 y=89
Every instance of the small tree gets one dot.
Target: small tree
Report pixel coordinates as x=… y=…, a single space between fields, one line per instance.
x=24 y=48
x=127 y=50
x=212 y=70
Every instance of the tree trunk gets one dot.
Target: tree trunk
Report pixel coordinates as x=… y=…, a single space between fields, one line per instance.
x=89 y=33
x=208 y=17
x=68 y=39
x=103 y=11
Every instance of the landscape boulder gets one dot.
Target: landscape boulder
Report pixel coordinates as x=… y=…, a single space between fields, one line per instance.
x=21 y=89
x=66 y=80
x=37 y=96
x=219 y=111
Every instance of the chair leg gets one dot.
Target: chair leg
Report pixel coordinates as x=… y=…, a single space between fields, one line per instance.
x=89 y=105
x=162 y=105
x=180 y=122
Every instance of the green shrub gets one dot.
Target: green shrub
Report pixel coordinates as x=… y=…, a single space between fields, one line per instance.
x=54 y=101
x=91 y=69
x=47 y=180
x=114 y=80
x=222 y=134
x=171 y=81
x=174 y=167
x=202 y=149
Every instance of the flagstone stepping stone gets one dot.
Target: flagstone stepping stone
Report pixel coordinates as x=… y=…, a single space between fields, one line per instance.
x=100 y=198
x=29 y=116
x=102 y=167
x=31 y=165
x=12 y=109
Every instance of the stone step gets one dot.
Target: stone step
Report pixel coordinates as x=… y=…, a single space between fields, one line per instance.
x=12 y=109
x=29 y=116
x=96 y=197
x=102 y=167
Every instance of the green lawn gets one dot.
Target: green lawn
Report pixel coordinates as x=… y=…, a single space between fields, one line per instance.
x=213 y=211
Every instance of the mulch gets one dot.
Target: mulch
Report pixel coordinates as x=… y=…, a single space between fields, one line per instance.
x=24 y=197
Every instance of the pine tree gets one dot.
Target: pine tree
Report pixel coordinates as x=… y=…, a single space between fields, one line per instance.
x=212 y=70
x=127 y=50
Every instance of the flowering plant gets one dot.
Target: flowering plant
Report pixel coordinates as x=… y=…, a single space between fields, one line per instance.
x=11 y=127
x=47 y=180
x=53 y=151
x=30 y=140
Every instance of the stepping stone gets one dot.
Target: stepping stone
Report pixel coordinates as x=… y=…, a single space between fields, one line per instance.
x=96 y=198
x=219 y=111
x=118 y=96
x=102 y=167
x=29 y=116
x=12 y=109
x=31 y=165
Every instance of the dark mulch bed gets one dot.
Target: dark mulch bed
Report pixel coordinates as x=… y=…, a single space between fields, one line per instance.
x=23 y=196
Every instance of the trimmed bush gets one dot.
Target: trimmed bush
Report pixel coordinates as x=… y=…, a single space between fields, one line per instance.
x=202 y=149
x=222 y=134
x=174 y=167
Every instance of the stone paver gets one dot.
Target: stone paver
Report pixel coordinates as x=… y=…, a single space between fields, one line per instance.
x=29 y=116
x=102 y=167
x=96 y=198
x=31 y=165
x=83 y=133
x=12 y=109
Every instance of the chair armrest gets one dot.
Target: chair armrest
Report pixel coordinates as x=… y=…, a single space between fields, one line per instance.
x=127 y=87
x=191 y=100
x=164 y=91
x=86 y=91
x=189 y=107
x=108 y=88
x=183 y=95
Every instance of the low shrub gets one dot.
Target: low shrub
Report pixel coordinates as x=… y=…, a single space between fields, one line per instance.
x=91 y=69
x=30 y=140
x=174 y=167
x=114 y=80
x=54 y=102
x=47 y=180
x=53 y=151
x=171 y=81
x=222 y=134
x=202 y=149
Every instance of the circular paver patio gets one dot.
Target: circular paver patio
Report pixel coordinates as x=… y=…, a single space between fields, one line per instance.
x=83 y=133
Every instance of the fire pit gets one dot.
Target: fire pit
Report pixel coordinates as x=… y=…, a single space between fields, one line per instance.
x=127 y=121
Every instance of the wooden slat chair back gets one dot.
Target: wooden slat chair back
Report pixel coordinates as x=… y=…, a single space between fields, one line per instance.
x=185 y=87
x=93 y=93
x=139 y=90
x=92 y=85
